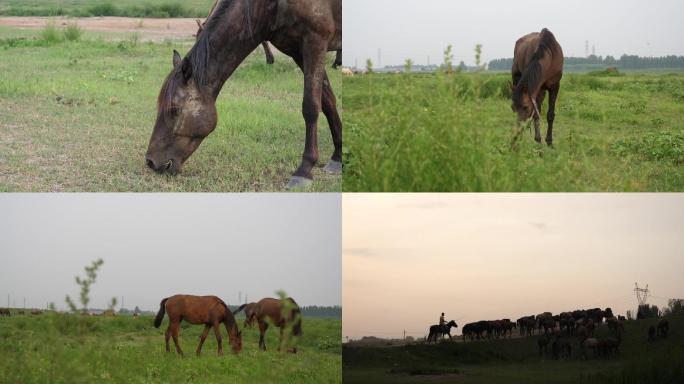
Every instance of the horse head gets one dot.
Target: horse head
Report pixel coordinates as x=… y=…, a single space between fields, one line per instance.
x=186 y=114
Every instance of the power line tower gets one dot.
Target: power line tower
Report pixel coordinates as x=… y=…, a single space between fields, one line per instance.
x=641 y=294
x=586 y=48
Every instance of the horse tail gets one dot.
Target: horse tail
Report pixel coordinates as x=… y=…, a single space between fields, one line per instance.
x=240 y=308
x=160 y=314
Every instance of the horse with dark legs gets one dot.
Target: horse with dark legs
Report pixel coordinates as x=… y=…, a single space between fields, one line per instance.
x=209 y=311
x=438 y=330
x=282 y=313
x=305 y=30
x=537 y=69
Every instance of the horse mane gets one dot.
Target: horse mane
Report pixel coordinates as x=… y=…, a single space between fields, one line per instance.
x=230 y=320
x=198 y=56
x=532 y=75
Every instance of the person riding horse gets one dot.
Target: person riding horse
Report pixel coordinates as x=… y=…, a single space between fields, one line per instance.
x=442 y=322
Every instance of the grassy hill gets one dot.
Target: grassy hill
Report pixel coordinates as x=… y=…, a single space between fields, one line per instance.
x=60 y=348
x=518 y=361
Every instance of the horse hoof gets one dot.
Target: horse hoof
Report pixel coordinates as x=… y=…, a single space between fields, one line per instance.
x=333 y=167
x=298 y=183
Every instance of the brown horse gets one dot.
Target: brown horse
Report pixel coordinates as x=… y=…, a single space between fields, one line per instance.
x=537 y=68
x=5 y=312
x=208 y=310
x=281 y=313
x=302 y=29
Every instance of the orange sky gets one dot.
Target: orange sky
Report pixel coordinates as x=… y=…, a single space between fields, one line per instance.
x=408 y=257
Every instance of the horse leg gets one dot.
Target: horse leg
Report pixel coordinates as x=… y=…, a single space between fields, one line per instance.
x=329 y=105
x=312 y=63
x=174 y=333
x=219 y=341
x=202 y=338
x=262 y=330
x=537 y=118
x=551 y=114
x=338 y=59
x=267 y=51
x=167 y=335
x=280 y=342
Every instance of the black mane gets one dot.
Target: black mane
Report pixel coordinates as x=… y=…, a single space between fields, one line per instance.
x=198 y=56
x=532 y=75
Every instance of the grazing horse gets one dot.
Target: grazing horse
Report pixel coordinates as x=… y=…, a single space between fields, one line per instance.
x=663 y=328
x=283 y=313
x=537 y=68
x=302 y=29
x=209 y=311
x=5 y=312
x=441 y=330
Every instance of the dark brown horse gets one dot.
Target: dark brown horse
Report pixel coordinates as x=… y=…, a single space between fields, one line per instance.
x=5 y=312
x=302 y=29
x=537 y=69
x=207 y=310
x=282 y=313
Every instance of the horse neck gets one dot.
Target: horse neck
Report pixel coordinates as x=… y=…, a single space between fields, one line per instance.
x=231 y=38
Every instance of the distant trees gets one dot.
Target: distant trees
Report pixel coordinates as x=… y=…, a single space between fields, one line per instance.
x=624 y=62
x=648 y=311
x=674 y=307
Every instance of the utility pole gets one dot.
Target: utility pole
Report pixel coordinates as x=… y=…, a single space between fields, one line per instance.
x=24 y=303
x=404 y=335
x=379 y=57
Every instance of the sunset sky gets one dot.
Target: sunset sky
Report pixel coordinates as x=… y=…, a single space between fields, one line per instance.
x=409 y=257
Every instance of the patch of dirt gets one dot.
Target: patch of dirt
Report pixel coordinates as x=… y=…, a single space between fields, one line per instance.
x=149 y=29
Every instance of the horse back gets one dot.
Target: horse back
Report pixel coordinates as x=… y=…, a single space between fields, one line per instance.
x=320 y=17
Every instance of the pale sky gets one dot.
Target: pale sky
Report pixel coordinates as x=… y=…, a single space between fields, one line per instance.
x=154 y=246
x=418 y=29
x=409 y=257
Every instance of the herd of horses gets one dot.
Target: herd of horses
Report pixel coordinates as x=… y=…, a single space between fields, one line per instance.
x=556 y=332
x=6 y=312
x=305 y=30
x=211 y=312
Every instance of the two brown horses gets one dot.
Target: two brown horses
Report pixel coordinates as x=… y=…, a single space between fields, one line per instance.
x=207 y=310
x=302 y=29
x=537 y=69
x=284 y=314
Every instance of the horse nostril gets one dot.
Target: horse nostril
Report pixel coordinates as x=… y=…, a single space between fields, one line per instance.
x=150 y=164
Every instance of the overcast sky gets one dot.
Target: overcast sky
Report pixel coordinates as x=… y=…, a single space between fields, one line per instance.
x=154 y=246
x=418 y=29
x=407 y=258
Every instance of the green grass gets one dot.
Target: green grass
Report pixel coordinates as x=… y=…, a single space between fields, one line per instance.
x=85 y=8
x=75 y=349
x=517 y=361
x=77 y=116
x=453 y=133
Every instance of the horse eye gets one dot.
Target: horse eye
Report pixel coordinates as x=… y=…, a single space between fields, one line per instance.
x=174 y=111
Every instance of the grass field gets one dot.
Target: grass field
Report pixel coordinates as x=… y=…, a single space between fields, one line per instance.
x=415 y=132
x=77 y=116
x=84 y=8
x=517 y=361
x=75 y=349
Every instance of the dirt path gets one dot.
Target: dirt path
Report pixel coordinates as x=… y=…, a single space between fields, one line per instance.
x=149 y=29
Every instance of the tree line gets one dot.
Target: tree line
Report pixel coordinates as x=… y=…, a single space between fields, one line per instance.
x=624 y=62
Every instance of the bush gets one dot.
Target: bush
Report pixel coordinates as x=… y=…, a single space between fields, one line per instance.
x=104 y=9
x=50 y=34
x=73 y=32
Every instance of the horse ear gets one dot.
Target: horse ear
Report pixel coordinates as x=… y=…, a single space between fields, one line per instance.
x=186 y=69
x=176 y=59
